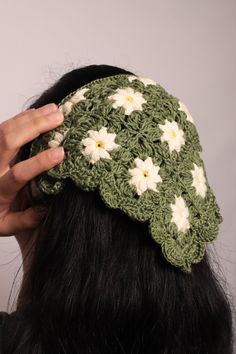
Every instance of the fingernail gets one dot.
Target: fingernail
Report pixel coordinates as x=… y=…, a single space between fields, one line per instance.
x=55 y=117
x=57 y=153
x=49 y=108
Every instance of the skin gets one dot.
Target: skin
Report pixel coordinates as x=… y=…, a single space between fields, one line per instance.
x=17 y=218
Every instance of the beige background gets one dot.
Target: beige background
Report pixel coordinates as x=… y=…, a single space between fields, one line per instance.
x=187 y=46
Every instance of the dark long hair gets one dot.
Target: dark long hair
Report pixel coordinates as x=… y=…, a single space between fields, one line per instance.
x=99 y=284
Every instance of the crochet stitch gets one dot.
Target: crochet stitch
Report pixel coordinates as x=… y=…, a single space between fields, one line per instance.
x=135 y=143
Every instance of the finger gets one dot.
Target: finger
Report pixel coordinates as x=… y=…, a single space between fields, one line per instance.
x=23 y=128
x=22 y=113
x=21 y=173
x=13 y=223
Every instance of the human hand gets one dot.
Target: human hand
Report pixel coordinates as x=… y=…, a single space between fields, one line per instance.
x=14 y=133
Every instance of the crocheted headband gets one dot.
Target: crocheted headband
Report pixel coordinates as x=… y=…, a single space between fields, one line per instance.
x=135 y=143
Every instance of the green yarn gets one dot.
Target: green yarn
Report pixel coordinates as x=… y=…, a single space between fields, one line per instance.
x=142 y=121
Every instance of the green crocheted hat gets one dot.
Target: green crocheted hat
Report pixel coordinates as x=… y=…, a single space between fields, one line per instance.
x=135 y=143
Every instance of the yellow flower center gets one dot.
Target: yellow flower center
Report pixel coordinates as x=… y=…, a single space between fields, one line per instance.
x=145 y=173
x=173 y=134
x=99 y=144
x=129 y=99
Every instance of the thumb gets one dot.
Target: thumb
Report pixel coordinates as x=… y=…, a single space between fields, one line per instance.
x=21 y=221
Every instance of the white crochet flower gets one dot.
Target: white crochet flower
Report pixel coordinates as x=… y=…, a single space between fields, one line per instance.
x=129 y=99
x=172 y=134
x=183 y=108
x=77 y=97
x=144 y=175
x=58 y=138
x=199 y=180
x=98 y=144
x=180 y=214
x=146 y=81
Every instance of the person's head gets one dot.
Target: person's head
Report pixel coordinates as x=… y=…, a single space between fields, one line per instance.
x=98 y=283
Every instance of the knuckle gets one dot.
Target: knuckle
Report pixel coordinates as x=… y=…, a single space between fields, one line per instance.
x=36 y=121
x=31 y=114
x=48 y=155
x=5 y=140
x=41 y=161
x=17 y=176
